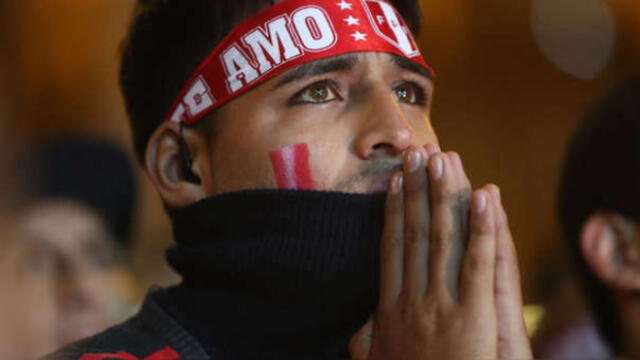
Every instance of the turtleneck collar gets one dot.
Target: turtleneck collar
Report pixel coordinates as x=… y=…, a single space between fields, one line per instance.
x=276 y=274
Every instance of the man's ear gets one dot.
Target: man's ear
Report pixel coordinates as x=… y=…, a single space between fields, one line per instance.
x=610 y=245
x=165 y=164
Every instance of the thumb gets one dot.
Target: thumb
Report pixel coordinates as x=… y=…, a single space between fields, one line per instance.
x=360 y=342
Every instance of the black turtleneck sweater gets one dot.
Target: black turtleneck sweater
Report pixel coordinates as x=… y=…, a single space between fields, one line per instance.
x=272 y=274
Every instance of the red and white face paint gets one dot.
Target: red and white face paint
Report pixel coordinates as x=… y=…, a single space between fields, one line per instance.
x=291 y=167
x=287 y=35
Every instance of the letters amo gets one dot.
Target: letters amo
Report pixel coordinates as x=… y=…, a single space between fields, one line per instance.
x=280 y=40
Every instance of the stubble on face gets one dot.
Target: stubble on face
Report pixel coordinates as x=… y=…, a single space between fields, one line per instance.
x=371 y=177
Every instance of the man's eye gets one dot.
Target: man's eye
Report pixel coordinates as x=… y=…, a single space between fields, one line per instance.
x=410 y=93
x=316 y=94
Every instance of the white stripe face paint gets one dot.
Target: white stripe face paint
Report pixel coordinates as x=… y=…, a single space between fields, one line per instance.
x=289 y=157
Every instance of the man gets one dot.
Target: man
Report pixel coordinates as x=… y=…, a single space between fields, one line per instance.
x=272 y=159
x=600 y=213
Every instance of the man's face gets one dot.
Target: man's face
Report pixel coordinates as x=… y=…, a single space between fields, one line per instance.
x=337 y=124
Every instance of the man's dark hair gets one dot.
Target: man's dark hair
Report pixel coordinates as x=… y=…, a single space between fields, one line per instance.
x=602 y=173
x=168 y=39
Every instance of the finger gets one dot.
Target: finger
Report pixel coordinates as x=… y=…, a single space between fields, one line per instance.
x=464 y=194
x=513 y=342
x=360 y=343
x=416 y=223
x=477 y=278
x=391 y=244
x=432 y=149
x=442 y=181
x=460 y=202
x=463 y=180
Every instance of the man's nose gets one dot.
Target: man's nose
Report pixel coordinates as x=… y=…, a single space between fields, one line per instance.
x=384 y=128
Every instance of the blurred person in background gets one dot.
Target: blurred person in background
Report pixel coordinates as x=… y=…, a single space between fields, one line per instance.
x=77 y=219
x=27 y=304
x=599 y=206
x=26 y=288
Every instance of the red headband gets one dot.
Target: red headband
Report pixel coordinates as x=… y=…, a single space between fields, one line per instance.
x=287 y=35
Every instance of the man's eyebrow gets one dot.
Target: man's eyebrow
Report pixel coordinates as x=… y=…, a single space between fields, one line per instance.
x=324 y=66
x=412 y=66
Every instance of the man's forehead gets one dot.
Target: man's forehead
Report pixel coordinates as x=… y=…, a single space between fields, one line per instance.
x=347 y=62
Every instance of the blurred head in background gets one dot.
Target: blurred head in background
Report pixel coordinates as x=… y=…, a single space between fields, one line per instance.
x=600 y=213
x=78 y=217
x=26 y=301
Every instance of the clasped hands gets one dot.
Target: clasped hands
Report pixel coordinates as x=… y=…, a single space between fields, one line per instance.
x=449 y=278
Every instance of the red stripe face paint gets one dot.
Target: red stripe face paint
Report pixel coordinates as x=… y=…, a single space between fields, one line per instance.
x=291 y=167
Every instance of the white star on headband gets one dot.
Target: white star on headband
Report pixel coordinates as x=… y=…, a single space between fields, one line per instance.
x=352 y=21
x=357 y=36
x=345 y=5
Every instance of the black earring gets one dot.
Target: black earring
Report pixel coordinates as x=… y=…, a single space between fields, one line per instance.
x=186 y=160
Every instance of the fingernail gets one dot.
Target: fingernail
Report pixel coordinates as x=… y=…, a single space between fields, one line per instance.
x=413 y=161
x=396 y=184
x=481 y=202
x=400 y=182
x=439 y=167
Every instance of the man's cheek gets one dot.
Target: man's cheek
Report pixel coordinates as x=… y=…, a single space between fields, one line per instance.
x=291 y=167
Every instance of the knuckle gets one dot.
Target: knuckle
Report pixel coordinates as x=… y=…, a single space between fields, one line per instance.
x=393 y=208
x=480 y=228
x=438 y=243
x=393 y=239
x=414 y=234
x=410 y=309
x=412 y=184
x=477 y=262
x=442 y=192
x=501 y=224
x=501 y=290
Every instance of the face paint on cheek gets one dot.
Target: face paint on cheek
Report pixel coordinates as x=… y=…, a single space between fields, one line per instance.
x=291 y=167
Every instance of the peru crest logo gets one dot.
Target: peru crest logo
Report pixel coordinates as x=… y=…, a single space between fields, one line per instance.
x=390 y=26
